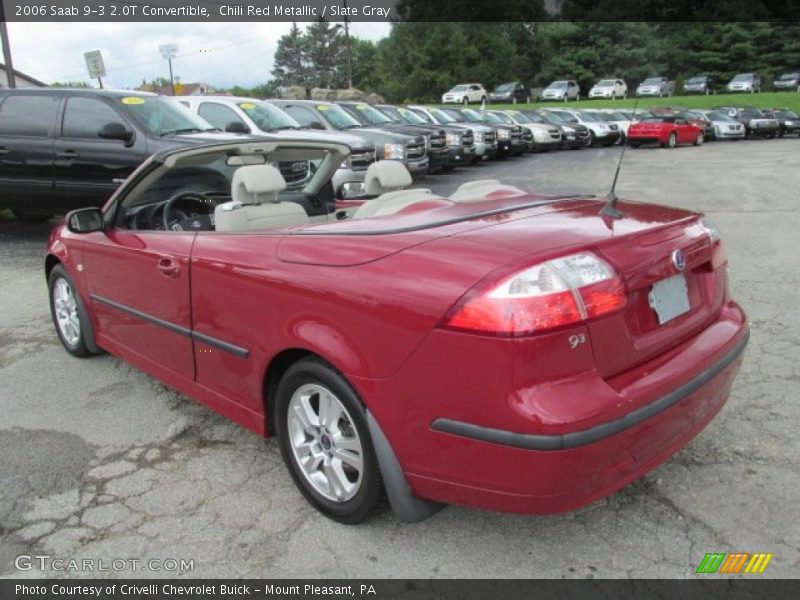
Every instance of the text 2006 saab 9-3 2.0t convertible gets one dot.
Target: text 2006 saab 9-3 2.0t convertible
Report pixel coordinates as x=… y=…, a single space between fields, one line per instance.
x=494 y=348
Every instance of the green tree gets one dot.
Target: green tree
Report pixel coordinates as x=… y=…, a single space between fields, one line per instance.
x=290 y=67
x=324 y=52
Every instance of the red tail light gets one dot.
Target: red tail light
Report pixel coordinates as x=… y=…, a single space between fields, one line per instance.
x=555 y=293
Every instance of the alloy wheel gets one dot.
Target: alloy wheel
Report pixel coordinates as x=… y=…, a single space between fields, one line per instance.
x=325 y=442
x=66 y=312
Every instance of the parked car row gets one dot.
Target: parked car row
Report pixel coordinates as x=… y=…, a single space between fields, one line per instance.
x=563 y=90
x=62 y=148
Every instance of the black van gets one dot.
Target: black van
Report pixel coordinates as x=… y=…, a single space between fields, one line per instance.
x=67 y=148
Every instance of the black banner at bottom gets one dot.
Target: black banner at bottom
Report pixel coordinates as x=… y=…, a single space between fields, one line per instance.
x=410 y=589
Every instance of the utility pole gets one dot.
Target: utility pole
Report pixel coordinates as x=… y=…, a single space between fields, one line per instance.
x=347 y=47
x=6 y=49
x=168 y=52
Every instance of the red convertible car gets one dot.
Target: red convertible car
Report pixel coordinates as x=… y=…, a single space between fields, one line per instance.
x=669 y=131
x=494 y=348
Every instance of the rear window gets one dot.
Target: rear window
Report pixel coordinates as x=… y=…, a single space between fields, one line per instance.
x=29 y=115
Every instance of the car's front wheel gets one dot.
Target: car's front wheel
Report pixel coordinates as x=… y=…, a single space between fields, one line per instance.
x=66 y=309
x=699 y=140
x=672 y=140
x=465 y=101
x=324 y=439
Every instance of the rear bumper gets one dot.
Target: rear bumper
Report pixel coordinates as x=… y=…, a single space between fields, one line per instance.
x=545 y=447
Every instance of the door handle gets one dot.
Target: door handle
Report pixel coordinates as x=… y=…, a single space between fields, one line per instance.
x=68 y=154
x=169 y=267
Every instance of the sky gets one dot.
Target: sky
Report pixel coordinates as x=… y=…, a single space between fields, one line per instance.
x=220 y=54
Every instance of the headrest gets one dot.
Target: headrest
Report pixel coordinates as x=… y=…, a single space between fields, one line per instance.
x=256 y=184
x=386 y=176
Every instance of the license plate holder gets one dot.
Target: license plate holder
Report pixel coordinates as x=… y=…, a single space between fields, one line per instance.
x=669 y=298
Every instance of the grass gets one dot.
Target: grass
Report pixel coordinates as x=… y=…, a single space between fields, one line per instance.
x=790 y=100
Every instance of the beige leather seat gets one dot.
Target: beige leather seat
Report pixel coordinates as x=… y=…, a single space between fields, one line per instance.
x=475 y=191
x=255 y=203
x=386 y=180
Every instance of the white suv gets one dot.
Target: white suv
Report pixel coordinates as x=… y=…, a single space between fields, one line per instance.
x=609 y=88
x=566 y=89
x=745 y=82
x=464 y=93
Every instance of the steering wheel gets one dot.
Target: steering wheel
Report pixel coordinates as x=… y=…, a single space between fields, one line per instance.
x=184 y=219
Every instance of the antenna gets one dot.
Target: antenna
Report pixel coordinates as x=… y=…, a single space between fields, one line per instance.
x=610 y=207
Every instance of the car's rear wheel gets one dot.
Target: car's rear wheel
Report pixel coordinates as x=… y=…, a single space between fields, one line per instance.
x=67 y=311
x=324 y=440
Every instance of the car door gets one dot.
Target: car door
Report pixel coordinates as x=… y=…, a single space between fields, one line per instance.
x=27 y=124
x=684 y=131
x=88 y=168
x=138 y=284
x=305 y=116
x=219 y=115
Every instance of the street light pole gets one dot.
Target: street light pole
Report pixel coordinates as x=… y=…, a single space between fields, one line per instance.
x=171 y=78
x=168 y=52
x=12 y=83
x=347 y=47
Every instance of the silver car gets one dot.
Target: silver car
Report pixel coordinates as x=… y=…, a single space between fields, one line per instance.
x=723 y=126
x=563 y=90
x=745 y=82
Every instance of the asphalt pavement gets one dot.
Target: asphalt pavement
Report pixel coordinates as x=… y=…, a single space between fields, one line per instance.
x=99 y=461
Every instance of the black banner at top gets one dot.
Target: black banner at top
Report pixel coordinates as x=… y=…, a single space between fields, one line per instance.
x=399 y=10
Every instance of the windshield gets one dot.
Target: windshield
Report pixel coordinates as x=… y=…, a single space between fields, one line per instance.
x=690 y=114
x=369 y=114
x=492 y=118
x=337 y=116
x=501 y=118
x=786 y=114
x=616 y=116
x=445 y=116
x=409 y=116
x=506 y=87
x=605 y=83
x=592 y=117
x=268 y=117
x=558 y=85
x=564 y=117
x=698 y=79
x=751 y=113
x=470 y=115
x=743 y=77
x=163 y=116
x=460 y=88
x=789 y=76
x=652 y=81
x=521 y=118
x=718 y=115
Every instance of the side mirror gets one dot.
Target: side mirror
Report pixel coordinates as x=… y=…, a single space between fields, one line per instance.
x=316 y=125
x=237 y=127
x=115 y=131
x=85 y=220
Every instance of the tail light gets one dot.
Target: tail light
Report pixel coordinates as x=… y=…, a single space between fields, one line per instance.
x=559 y=292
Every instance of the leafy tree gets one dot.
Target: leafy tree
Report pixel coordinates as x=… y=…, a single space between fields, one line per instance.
x=364 y=58
x=324 y=51
x=70 y=84
x=290 y=66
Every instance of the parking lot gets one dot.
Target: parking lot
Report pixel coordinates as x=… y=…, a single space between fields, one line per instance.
x=98 y=460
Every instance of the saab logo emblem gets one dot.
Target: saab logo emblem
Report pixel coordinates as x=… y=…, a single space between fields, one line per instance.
x=678 y=259
x=734 y=562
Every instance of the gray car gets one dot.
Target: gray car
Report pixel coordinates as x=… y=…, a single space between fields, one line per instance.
x=723 y=126
x=484 y=137
x=328 y=116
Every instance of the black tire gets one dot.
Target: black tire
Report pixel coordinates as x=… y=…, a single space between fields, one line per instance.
x=465 y=101
x=592 y=138
x=25 y=217
x=672 y=141
x=636 y=144
x=448 y=168
x=699 y=140
x=316 y=371
x=76 y=347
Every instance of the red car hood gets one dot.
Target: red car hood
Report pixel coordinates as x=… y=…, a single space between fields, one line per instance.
x=536 y=229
